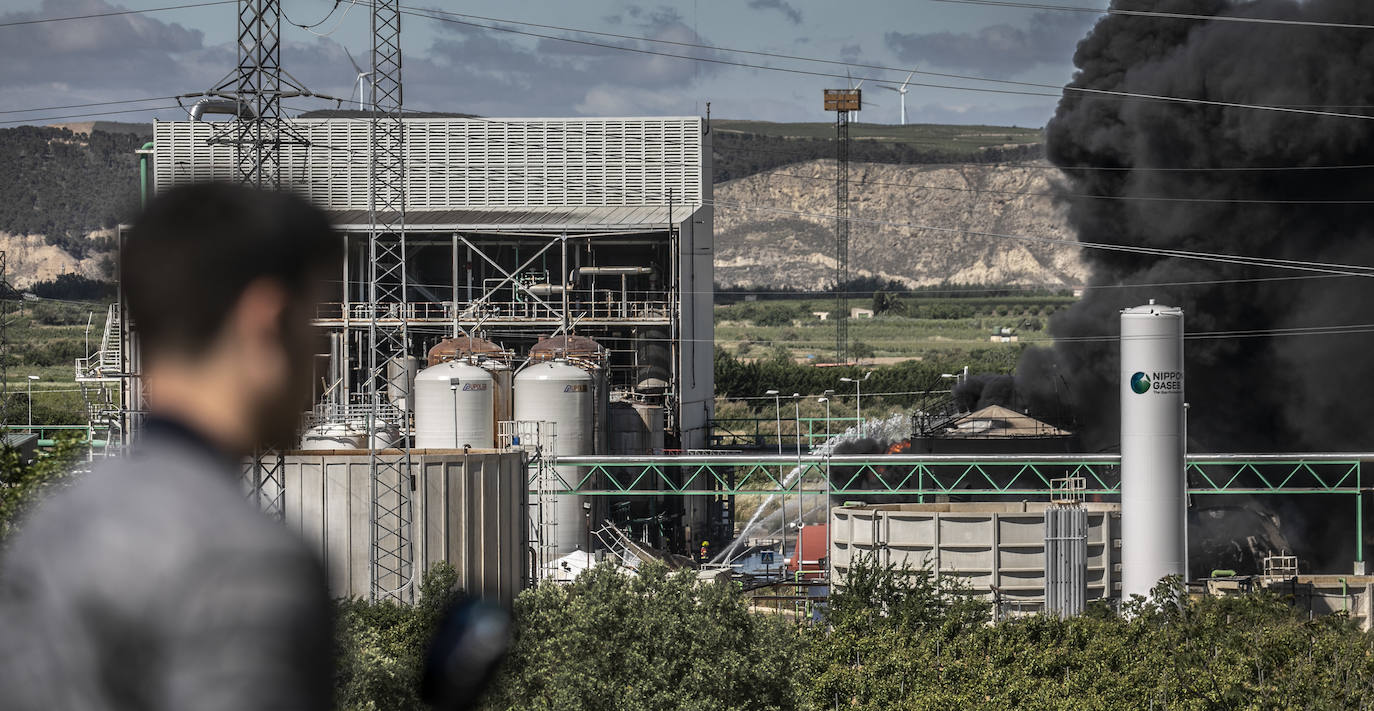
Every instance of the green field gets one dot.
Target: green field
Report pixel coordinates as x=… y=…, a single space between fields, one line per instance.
x=956 y=139
x=914 y=327
x=45 y=339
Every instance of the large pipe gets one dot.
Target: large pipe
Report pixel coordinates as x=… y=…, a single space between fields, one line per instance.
x=1153 y=449
x=230 y=107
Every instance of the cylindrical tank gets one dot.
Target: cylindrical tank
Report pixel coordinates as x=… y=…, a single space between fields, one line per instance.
x=591 y=356
x=652 y=416
x=1153 y=487
x=454 y=402
x=400 y=379
x=636 y=428
x=557 y=391
x=503 y=377
x=330 y=436
x=628 y=434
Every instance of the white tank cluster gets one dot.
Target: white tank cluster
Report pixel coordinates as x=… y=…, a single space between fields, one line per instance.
x=1153 y=448
x=558 y=391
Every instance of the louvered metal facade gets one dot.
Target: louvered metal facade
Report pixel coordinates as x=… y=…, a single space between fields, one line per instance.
x=470 y=163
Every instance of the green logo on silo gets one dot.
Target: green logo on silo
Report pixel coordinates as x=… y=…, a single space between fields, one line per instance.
x=1140 y=383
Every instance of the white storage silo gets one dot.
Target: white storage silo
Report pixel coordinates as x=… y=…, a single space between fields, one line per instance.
x=1153 y=486
x=557 y=391
x=453 y=407
x=400 y=380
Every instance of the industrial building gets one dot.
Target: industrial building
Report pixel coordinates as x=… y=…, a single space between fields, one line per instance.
x=555 y=292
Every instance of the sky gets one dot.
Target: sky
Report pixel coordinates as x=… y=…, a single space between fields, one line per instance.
x=450 y=66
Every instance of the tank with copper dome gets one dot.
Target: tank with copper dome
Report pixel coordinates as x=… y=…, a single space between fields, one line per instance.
x=489 y=356
x=592 y=357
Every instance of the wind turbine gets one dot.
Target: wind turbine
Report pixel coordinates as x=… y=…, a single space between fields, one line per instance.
x=864 y=103
x=359 y=81
x=902 y=91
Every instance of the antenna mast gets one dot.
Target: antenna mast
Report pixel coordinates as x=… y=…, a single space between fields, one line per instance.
x=842 y=101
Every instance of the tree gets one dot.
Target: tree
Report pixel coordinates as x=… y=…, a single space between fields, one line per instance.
x=23 y=483
x=651 y=640
x=380 y=646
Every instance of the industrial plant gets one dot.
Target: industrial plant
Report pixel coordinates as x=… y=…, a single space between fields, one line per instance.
x=518 y=380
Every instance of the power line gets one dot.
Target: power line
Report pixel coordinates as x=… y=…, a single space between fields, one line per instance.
x=115 y=13
x=40 y=119
x=1299 y=265
x=1086 y=196
x=1028 y=164
x=89 y=104
x=1165 y=15
x=1058 y=89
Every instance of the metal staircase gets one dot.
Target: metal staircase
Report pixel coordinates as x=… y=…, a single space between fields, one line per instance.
x=99 y=374
x=539 y=440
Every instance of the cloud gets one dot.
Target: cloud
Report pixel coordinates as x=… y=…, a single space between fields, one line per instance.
x=792 y=14
x=494 y=73
x=1049 y=38
x=94 y=55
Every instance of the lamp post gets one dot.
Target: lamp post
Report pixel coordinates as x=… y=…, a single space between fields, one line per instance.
x=777 y=411
x=28 y=395
x=858 y=399
x=801 y=475
x=453 y=388
x=825 y=398
x=587 y=511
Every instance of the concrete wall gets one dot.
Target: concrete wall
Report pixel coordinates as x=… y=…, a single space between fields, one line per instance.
x=987 y=544
x=469 y=510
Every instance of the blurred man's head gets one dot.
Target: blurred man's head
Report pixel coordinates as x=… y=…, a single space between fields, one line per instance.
x=221 y=282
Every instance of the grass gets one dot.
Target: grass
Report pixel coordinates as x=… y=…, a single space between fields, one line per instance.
x=45 y=338
x=958 y=139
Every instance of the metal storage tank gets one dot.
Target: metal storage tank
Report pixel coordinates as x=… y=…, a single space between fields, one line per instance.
x=1153 y=488
x=400 y=380
x=332 y=436
x=636 y=428
x=560 y=392
x=454 y=402
x=590 y=356
x=996 y=548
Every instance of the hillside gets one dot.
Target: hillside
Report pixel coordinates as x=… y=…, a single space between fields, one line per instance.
x=68 y=185
x=744 y=148
x=771 y=228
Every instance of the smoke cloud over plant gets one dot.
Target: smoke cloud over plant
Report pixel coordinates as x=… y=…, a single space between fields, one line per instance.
x=1221 y=179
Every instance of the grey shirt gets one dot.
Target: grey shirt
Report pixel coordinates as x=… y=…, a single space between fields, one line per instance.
x=154 y=584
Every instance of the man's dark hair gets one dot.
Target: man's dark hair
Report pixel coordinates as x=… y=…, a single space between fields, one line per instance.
x=196 y=248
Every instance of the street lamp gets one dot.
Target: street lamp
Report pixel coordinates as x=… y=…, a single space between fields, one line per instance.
x=825 y=398
x=777 y=411
x=453 y=388
x=28 y=395
x=801 y=475
x=858 y=399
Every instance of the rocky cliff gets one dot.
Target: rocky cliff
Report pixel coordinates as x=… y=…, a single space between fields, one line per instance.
x=774 y=228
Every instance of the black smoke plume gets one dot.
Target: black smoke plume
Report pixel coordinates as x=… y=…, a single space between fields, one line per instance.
x=1200 y=178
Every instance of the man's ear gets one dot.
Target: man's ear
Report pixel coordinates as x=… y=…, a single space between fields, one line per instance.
x=258 y=314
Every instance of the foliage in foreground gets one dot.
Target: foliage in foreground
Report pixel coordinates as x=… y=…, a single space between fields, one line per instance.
x=23 y=483
x=903 y=642
x=380 y=646
x=902 y=639
x=654 y=640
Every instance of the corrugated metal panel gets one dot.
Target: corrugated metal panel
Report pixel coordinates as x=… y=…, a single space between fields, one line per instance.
x=585 y=218
x=480 y=163
x=469 y=511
